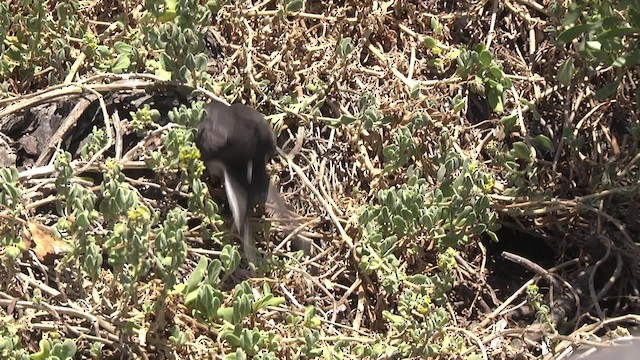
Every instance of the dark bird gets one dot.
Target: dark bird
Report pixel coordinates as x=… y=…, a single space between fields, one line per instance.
x=236 y=142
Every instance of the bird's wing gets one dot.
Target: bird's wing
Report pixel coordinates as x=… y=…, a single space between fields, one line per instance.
x=238 y=198
x=260 y=149
x=265 y=139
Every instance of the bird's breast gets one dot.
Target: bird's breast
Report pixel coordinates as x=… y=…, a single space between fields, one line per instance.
x=215 y=167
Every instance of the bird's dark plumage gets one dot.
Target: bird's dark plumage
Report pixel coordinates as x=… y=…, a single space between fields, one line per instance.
x=237 y=143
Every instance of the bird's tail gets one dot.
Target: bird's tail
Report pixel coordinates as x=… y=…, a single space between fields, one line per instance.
x=276 y=205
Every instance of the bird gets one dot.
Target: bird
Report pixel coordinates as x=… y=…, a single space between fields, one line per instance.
x=236 y=144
